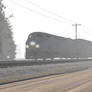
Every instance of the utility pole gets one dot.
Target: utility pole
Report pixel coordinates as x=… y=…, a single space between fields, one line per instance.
x=76 y=29
x=76 y=36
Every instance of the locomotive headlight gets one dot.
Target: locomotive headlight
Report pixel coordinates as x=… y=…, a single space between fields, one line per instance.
x=32 y=43
x=27 y=46
x=37 y=46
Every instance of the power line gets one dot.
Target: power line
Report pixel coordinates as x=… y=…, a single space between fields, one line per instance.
x=38 y=12
x=50 y=12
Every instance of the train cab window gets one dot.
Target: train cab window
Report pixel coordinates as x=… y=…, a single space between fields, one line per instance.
x=30 y=36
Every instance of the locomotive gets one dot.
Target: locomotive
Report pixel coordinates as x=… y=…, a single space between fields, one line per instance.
x=44 y=45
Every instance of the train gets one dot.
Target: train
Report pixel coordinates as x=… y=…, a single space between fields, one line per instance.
x=44 y=45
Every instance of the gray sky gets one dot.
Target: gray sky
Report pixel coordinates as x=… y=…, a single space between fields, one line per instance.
x=51 y=16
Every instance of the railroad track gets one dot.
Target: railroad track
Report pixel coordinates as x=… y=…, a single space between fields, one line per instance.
x=30 y=62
